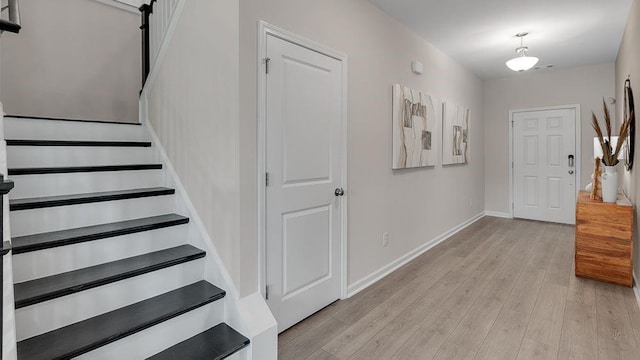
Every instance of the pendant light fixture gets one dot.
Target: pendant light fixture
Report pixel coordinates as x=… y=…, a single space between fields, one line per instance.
x=522 y=62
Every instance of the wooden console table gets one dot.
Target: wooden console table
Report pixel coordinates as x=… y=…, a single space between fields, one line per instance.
x=604 y=240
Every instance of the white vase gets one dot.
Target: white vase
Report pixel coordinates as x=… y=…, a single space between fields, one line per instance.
x=609 y=184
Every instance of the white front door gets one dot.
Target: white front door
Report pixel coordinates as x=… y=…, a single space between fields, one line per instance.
x=304 y=164
x=544 y=165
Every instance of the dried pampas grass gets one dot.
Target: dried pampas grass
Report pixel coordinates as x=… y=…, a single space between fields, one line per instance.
x=610 y=155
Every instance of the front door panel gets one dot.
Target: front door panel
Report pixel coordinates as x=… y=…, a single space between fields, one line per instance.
x=544 y=177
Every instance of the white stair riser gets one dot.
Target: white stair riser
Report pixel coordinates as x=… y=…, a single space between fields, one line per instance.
x=238 y=355
x=50 y=315
x=36 y=264
x=34 y=221
x=34 y=129
x=27 y=186
x=162 y=336
x=57 y=156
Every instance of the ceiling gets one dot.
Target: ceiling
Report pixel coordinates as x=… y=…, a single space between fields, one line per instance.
x=480 y=33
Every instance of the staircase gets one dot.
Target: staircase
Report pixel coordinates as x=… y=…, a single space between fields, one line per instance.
x=102 y=265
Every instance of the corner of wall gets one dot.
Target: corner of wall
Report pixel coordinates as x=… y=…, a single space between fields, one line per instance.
x=627 y=64
x=636 y=288
x=262 y=327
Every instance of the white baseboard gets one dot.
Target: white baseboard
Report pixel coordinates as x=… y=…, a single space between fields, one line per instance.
x=636 y=289
x=498 y=214
x=386 y=270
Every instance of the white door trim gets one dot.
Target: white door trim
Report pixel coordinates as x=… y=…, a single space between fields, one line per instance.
x=578 y=142
x=265 y=29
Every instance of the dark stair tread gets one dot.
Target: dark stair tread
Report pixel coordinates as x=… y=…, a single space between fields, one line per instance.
x=51 y=287
x=6 y=248
x=27 y=243
x=216 y=343
x=74 y=120
x=84 y=336
x=30 y=142
x=78 y=169
x=74 y=199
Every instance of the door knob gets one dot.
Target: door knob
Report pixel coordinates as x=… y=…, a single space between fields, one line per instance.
x=339 y=191
x=571 y=172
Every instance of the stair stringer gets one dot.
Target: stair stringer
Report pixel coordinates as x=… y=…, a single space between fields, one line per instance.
x=9 y=345
x=249 y=315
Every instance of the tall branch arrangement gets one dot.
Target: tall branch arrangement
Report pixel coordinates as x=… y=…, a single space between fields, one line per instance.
x=610 y=155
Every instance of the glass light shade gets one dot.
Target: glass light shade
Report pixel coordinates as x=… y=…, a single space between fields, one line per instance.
x=597 y=149
x=522 y=63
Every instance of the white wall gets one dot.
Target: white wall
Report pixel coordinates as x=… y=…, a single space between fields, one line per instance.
x=414 y=206
x=583 y=85
x=628 y=63
x=193 y=108
x=192 y=105
x=72 y=59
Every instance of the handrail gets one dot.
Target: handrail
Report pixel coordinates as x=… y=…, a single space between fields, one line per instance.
x=146 y=10
x=157 y=23
x=13 y=24
x=5 y=187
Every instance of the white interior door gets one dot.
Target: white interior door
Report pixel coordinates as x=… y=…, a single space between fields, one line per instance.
x=303 y=162
x=544 y=165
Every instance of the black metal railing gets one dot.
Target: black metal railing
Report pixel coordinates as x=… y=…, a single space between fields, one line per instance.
x=5 y=187
x=13 y=23
x=146 y=10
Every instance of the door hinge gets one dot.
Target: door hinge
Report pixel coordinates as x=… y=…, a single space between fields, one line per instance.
x=266 y=63
x=266 y=292
x=266 y=181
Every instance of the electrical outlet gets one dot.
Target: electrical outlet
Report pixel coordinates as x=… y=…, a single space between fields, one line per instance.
x=385 y=239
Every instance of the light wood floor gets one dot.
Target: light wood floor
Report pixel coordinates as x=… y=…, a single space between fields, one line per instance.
x=500 y=289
